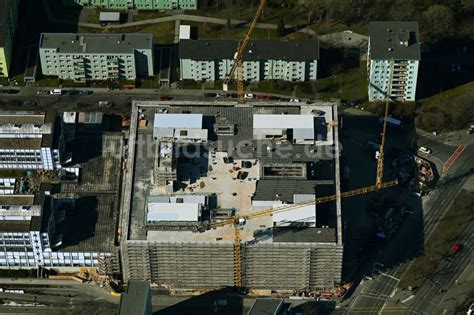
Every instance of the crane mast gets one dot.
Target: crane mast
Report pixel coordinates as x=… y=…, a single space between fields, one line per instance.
x=380 y=160
x=238 y=62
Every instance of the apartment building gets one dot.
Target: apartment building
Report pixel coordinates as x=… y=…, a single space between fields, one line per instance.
x=289 y=60
x=393 y=60
x=82 y=57
x=8 y=22
x=138 y=4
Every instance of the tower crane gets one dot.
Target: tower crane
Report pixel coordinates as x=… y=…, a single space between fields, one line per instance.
x=237 y=67
x=238 y=220
x=380 y=160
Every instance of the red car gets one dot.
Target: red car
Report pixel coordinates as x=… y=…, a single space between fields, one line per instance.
x=165 y=98
x=457 y=247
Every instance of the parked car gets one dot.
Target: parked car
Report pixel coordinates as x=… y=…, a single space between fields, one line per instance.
x=104 y=104
x=29 y=103
x=71 y=92
x=424 y=150
x=15 y=102
x=246 y=164
x=294 y=100
x=228 y=160
x=42 y=92
x=85 y=93
x=221 y=95
x=165 y=98
x=242 y=175
x=56 y=92
x=12 y=91
x=210 y=94
x=248 y=95
x=233 y=95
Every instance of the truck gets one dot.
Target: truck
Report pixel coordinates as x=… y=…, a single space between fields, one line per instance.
x=392 y=122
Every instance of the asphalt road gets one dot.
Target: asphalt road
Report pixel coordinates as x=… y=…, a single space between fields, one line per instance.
x=429 y=298
x=122 y=99
x=372 y=296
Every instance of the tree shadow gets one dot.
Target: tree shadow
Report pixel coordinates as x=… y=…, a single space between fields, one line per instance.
x=32 y=21
x=444 y=66
x=335 y=60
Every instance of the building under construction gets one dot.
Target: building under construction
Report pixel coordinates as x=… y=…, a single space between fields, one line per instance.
x=194 y=164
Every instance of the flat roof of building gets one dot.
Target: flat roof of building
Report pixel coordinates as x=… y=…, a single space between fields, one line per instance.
x=184 y=121
x=173 y=212
x=109 y=17
x=283 y=189
x=135 y=300
x=70 y=43
x=184 y=31
x=387 y=38
x=283 y=121
x=210 y=172
x=265 y=306
x=303 y=234
x=212 y=49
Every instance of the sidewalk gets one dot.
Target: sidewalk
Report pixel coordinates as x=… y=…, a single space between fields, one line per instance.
x=453 y=138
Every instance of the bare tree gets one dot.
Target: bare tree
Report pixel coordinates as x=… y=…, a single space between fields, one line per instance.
x=438 y=21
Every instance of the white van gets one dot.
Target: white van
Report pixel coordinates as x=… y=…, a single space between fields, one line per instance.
x=424 y=150
x=56 y=92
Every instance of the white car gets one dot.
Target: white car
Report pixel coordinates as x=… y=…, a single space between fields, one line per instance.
x=294 y=100
x=470 y=311
x=248 y=95
x=424 y=150
x=56 y=92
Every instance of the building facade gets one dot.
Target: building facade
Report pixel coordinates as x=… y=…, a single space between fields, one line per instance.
x=294 y=60
x=8 y=23
x=393 y=60
x=83 y=57
x=138 y=4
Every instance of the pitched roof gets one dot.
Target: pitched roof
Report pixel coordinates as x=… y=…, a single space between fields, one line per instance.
x=214 y=49
x=387 y=38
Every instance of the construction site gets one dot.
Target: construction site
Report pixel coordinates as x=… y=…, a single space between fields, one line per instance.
x=193 y=169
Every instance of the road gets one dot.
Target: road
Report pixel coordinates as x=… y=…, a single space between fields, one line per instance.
x=122 y=99
x=428 y=299
x=373 y=295
x=55 y=297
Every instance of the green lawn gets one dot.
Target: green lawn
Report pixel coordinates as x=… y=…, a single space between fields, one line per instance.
x=217 y=31
x=448 y=110
x=247 y=12
x=163 y=33
x=439 y=245
x=149 y=15
x=47 y=82
x=348 y=85
x=190 y=85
